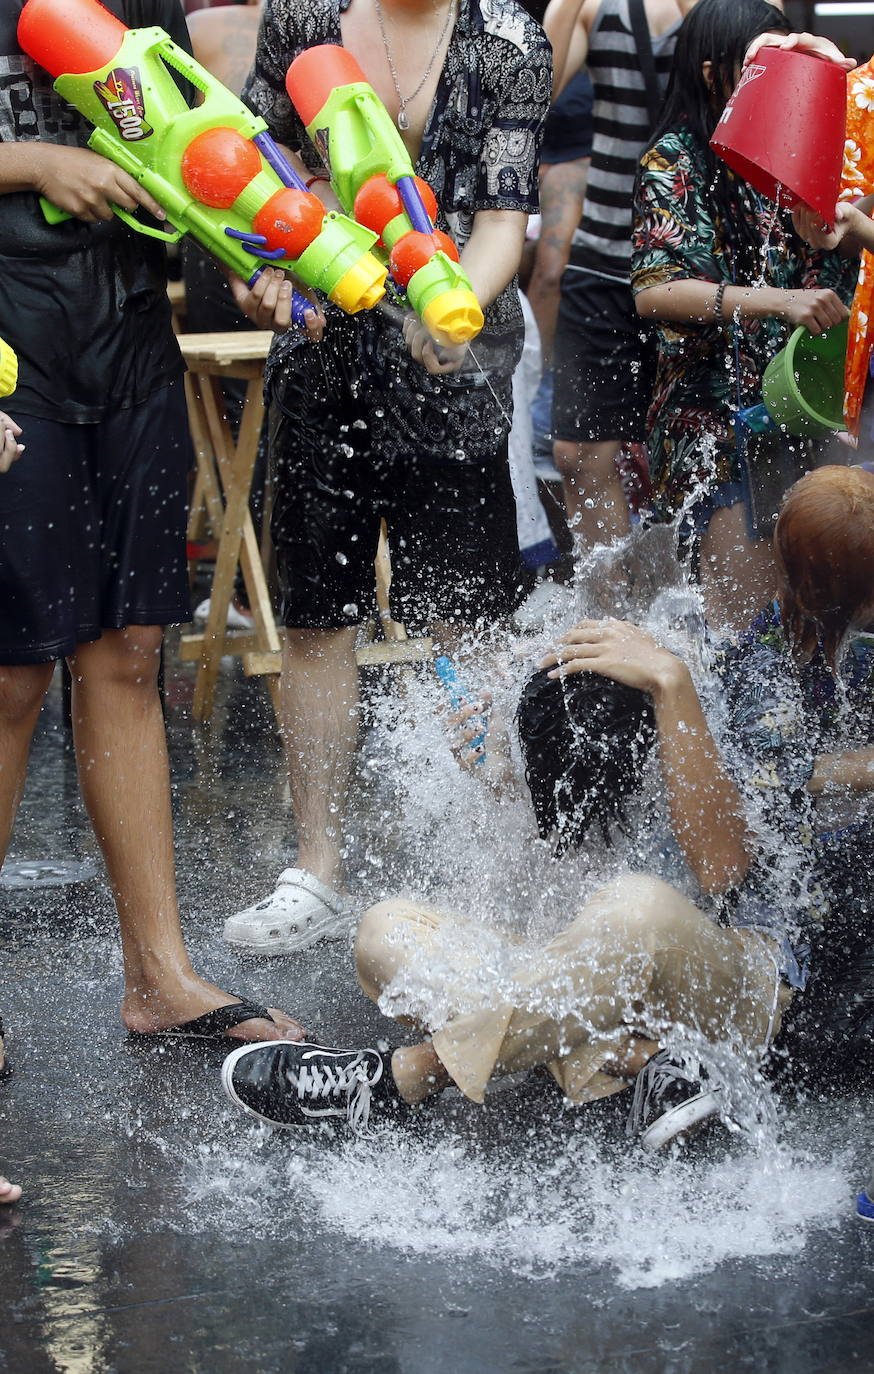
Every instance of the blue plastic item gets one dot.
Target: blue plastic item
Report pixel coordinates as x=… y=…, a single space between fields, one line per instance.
x=459 y=696
x=864 y=1202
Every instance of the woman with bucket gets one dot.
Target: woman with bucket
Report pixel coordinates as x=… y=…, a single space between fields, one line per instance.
x=725 y=276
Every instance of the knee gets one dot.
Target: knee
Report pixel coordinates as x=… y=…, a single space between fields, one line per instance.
x=569 y=459
x=22 y=689
x=378 y=956
x=642 y=905
x=129 y=658
x=589 y=465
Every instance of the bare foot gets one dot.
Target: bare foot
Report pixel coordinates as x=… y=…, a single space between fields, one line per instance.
x=9 y=1192
x=188 y=997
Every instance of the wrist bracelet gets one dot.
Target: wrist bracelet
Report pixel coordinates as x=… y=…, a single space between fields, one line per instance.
x=318 y=176
x=717 y=301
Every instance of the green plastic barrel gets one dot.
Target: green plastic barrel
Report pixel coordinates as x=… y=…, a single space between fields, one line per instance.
x=803 y=386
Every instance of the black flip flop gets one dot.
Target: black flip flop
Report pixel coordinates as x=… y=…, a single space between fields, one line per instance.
x=6 y=1071
x=213 y=1025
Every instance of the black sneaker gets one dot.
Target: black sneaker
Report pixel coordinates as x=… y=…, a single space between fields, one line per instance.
x=287 y=1083
x=671 y=1099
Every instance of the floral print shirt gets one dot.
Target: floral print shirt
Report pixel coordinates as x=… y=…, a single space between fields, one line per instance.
x=858 y=181
x=778 y=719
x=708 y=371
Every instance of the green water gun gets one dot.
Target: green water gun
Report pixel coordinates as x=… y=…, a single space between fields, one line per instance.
x=375 y=181
x=213 y=168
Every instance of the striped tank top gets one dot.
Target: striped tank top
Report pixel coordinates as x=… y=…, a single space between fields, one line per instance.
x=621 y=133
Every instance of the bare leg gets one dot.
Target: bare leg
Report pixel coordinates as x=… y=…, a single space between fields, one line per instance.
x=22 y=689
x=124 y=774
x=594 y=496
x=320 y=732
x=738 y=574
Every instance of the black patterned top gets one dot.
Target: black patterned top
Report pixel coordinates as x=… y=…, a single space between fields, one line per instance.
x=481 y=146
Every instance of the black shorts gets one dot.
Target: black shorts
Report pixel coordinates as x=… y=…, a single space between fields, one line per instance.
x=92 y=528
x=605 y=362
x=356 y=435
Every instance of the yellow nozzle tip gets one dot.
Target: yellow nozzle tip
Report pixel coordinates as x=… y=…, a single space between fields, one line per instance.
x=8 y=369
x=453 y=317
x=361 y=287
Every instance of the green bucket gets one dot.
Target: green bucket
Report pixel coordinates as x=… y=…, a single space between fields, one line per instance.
x=803 y=386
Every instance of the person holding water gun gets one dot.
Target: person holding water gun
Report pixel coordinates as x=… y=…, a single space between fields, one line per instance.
x=92 y=520
x=382 y=419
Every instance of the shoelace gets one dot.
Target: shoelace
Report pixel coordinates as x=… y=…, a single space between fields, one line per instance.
x=651 y=1083
x=327 y=1082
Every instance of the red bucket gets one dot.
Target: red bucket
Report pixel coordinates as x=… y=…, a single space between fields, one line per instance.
x=783 y=130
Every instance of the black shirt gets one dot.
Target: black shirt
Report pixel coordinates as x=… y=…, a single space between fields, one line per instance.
x=84 y=305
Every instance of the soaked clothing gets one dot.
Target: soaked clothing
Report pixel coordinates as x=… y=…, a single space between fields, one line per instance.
x=428 y=453
x=605 y=362
x=92 y=529
x=343 y=459
x=84 y=305
x=779 y=719
x=92 y=518
x=707 y=372
x=639 y=960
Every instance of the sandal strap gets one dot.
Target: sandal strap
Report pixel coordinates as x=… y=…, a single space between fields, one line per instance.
x=213 y=1024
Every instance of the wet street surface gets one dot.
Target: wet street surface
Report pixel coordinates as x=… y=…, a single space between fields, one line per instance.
x=161 y=1231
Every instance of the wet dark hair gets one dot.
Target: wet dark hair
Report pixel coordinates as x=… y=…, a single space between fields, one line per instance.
x=719 y=32
x=585 y=740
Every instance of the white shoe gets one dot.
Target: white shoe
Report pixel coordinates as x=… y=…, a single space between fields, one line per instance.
x=237 y=619
x=300 y=912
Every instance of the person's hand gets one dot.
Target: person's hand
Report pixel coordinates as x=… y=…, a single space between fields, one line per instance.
x=616 y=649
x=810 y=43
x=10 y=449
x=433 y=356
x=469 y=723
x=268 y=303
x=87 y=185
x=810 y=225
x=817 y=310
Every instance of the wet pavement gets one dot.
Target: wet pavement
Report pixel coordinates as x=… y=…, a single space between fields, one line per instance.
x=163 y=1232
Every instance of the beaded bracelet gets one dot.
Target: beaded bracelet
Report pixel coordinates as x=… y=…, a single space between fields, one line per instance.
x=717 y=301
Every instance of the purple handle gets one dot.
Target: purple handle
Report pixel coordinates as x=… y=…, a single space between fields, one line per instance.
x=414 y=205
x=279 y=162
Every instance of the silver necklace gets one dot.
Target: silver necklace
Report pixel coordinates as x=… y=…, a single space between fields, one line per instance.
x=404 y=101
